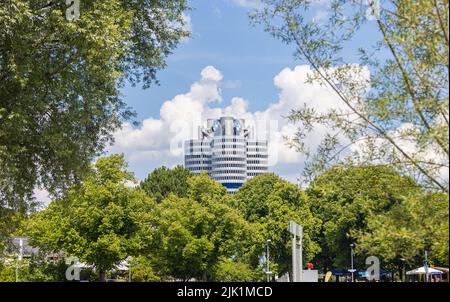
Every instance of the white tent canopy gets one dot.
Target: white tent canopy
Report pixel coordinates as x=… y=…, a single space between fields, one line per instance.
x=421 y=271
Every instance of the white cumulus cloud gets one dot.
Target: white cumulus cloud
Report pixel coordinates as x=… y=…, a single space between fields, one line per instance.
x=159 y=140
x=247 y=3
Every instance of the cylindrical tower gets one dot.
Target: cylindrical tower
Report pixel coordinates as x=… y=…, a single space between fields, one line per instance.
x=228 y=153
x=257 y=158
x=197 y=156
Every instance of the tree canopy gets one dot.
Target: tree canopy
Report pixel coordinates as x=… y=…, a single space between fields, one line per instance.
x=208 y=234
x=162 y=181
x=417 y=224
x=101 y=222
x=346 y=200
x=269 y=203
x=199 y=230
x=59 y=83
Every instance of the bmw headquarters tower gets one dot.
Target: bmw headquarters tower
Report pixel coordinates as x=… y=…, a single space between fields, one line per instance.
x=228 y=151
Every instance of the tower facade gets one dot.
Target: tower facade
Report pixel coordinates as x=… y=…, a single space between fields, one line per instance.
x=227 y=151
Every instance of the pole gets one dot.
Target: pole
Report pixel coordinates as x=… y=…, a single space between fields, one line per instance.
x=19 y=258
x=426 y=266
x=300 y=258
x=297 y=264
x=129 y=259
x=351 y=259
x=403 y=276
x=294 y=259
x=268 y=262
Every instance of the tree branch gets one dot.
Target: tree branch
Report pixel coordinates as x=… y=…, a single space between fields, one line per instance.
x=409 y=87
x=441 y=22
x=347 y=102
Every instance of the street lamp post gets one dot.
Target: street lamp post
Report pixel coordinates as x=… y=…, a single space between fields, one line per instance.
x=19 y=258
x=297 y=264
x=268 y=261
x=17 y=269
x=351 y=260
x=426 y=266
x=403 y=276
x=129 y=259
x=129 y=273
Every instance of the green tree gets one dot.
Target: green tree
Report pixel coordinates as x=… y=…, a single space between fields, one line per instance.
x=229 y=270
x=162 y=181
x=36 y=269
x=345 y=199
x=251 y=198
x=101 y=222
x=59 y=83
x=10 y=223
x=393 y=104
x=416 y=224
x=269 y=203
x=196 y=231
x=142 y=270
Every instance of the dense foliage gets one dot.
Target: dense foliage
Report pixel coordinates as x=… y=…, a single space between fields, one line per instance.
x=343 y=199
x=200 y=232
x=269 y=203
x=60 y=80
x=162 y=181
x=401 y=235
x=101 y=222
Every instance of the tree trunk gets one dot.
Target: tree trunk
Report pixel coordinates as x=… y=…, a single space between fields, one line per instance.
x=101 y=276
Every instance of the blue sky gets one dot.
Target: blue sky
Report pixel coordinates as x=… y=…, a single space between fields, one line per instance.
x=222 y=37
x=228 y=66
